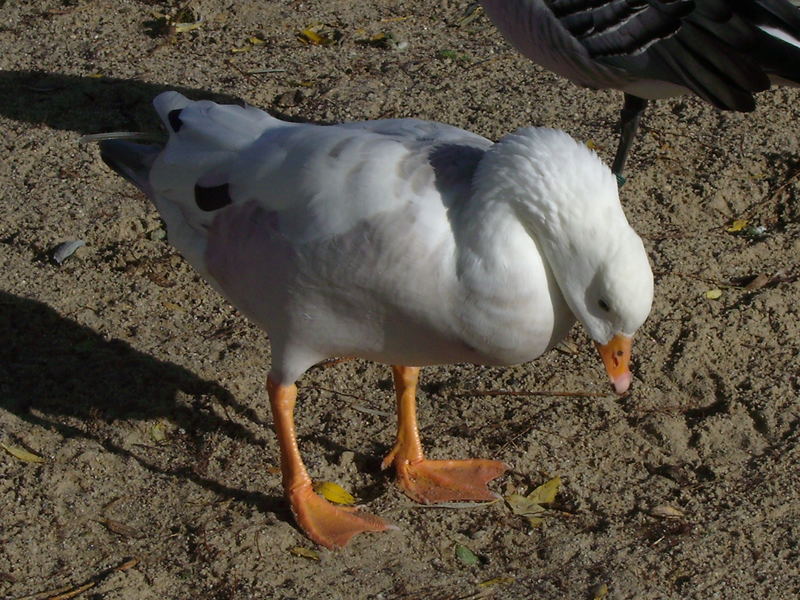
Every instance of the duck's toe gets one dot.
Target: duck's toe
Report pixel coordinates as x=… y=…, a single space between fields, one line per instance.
x=432 y=481
x=329 y=525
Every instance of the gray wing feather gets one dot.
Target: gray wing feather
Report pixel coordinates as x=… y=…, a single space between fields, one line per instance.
x=715 y=48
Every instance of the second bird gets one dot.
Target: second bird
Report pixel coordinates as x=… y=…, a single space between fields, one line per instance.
x=722 y=51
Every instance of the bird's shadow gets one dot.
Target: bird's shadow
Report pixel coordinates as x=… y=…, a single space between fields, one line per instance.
x=91 y=104
x=58 y=374
x=53 y=370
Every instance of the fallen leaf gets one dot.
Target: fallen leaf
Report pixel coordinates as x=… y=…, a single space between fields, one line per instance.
x=530 y=506
x=256 y=41
x=466 y=556
x=714 y=294
x=158 y=431
x=184 y=27
x=759 y=282
x=600 y=592
x=665 y=511
x=120 y=528
x=305 y=552
x=317 y=36
x=22 y=454
x=521 y=505
x=737 y=225
x=172 y=306
x=309 y=36
x=496 y=581
x=334 y=492
x=546 y=493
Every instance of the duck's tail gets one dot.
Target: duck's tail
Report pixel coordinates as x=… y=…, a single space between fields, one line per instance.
x=187 y=178
x=132 y=161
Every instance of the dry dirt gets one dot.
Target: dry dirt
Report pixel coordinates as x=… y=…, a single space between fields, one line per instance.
x=144 y=390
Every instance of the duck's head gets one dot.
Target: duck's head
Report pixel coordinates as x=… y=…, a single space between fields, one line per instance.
x=612 y=295
x=569 y=201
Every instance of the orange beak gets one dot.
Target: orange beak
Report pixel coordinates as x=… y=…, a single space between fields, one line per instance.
x=616 y=356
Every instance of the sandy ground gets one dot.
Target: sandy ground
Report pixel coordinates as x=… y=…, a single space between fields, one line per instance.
x=143 y=390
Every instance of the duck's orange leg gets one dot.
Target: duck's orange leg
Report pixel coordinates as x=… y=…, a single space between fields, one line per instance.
x=430 y=481
x=328 y=525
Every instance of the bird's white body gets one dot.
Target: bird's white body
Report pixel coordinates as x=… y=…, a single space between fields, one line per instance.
x=400 y=241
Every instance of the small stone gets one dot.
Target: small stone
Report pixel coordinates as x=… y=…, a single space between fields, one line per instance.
x=346 y=459
x=63 y=251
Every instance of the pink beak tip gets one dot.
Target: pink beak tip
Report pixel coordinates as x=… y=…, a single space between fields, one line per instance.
x=622 y=382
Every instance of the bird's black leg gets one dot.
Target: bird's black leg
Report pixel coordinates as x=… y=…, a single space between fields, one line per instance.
x=629 y=124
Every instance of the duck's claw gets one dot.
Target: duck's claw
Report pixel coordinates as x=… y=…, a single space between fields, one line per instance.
x=329 y=525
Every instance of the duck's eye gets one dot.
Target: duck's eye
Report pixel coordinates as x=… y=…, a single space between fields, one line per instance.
x=604 y=305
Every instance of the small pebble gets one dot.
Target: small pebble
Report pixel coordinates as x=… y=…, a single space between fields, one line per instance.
x=346 y=459
x=63 y=251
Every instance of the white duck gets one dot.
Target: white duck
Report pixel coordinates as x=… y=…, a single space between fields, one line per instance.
x=400 y=241
x=721 y=51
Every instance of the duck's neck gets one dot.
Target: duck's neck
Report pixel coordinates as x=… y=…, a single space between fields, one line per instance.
x=510 y=306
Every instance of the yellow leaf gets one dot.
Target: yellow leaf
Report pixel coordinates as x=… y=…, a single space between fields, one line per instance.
x=22 y=454
x=737 y=225
x=530 y=506
x=305 y=552
x=95 y=75
x=523 y=506
x=184 y=27
x=242 y=49
x=600 y=592
x=546 y=493
x=591 y=145
x=157 y=431
x=172 y=306
x=309 y=36
x=714 y=294
x=256 y=41
x=334 y=493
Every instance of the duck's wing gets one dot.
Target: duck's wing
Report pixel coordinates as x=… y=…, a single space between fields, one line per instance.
x=722 y=51
x=316 y=181
x=323 y=180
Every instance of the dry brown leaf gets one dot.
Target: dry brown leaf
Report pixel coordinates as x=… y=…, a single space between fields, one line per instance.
x=758 y=282
x=120 y=528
